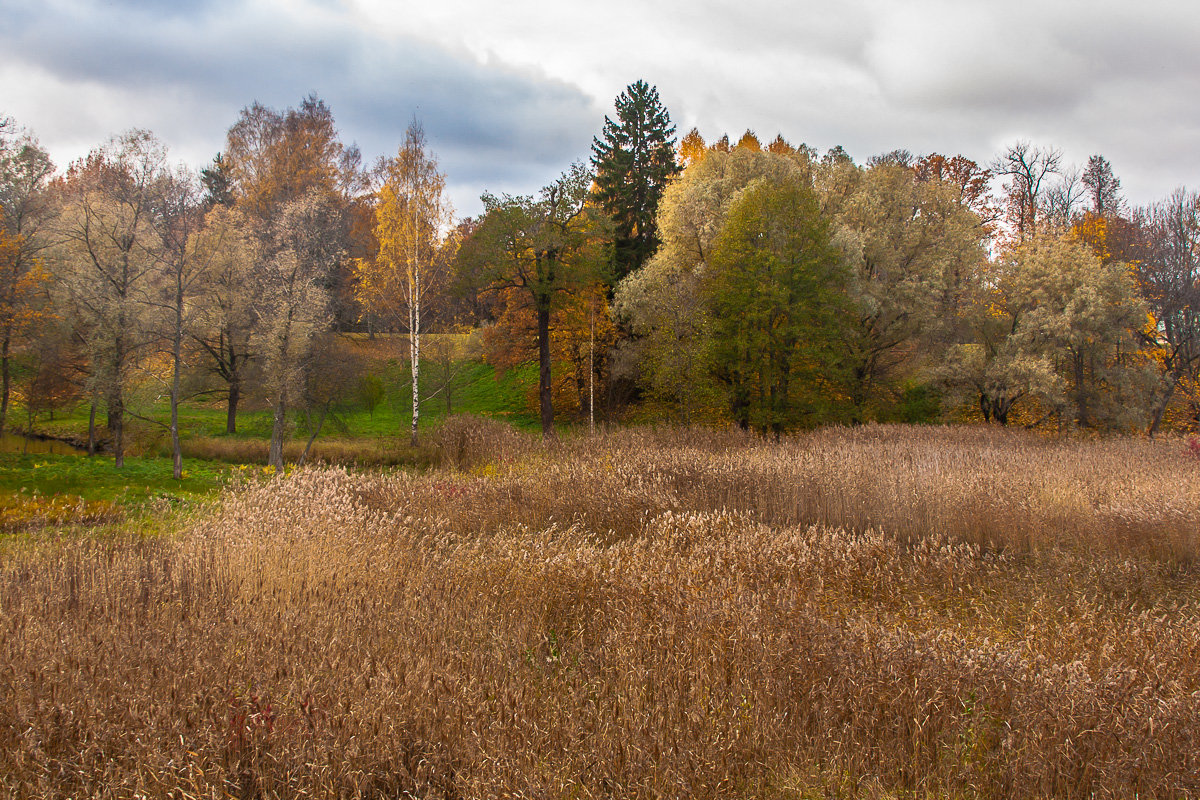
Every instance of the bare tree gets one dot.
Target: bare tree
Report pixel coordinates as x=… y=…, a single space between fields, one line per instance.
x=1027 y=169
x=1063 y=198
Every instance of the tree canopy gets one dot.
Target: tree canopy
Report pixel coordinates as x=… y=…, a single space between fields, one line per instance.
x=634 y=158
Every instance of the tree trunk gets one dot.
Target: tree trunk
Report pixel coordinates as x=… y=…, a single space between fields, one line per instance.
x=176 y=368
x=91 y=448
x=275 y=450
x=116 y=427
x=546 y=399
x=4 y=382
x=313 y=432
x=235 y=394
x=414 y=341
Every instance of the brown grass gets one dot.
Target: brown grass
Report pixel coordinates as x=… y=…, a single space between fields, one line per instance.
x=874 y=612
x=373 y=452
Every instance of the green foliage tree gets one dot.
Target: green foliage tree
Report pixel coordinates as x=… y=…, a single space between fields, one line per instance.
x=776 y=290
x=663 y=304
x=544 y=246
x=633 y=163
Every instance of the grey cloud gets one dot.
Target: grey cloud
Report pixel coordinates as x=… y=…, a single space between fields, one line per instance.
x=478 y=116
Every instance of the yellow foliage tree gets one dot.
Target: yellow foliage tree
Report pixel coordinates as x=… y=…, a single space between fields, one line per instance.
x=692 y=148
x=411 y=214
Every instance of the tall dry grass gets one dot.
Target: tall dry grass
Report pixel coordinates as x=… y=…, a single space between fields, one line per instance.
x=874 y=612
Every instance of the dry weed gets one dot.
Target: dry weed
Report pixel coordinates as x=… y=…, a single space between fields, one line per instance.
x=656 y=613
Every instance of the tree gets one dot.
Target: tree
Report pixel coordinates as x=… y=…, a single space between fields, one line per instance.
x=911 y=247
x=633 y=164
x=183 y=267
x=1056 y=325
x=749 y=141
x=107 y=261
x=543 y=246
x=25 y=211
x=970 y=180
x=294 y=302
x=1104 y=188
x=662 y=304
x=411 y=216
x=227 y=307
x=776 y=290
x=691 y=148
x=1062 y=199
x=1168 y=274
x=218 y=184
x=1027 y=169
x=1087 y=315
x=273 y=158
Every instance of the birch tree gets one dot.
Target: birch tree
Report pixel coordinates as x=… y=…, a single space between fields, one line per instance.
x=412 y=215
x=228 y=308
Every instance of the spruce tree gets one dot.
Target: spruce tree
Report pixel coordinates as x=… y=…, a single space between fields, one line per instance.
x=634 y=159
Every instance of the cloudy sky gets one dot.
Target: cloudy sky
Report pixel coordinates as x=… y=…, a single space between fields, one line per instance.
x=511 y=92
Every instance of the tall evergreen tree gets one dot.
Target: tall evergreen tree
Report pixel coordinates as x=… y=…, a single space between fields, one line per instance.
x=634 y=159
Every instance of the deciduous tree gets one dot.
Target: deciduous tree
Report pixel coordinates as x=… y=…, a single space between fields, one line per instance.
x=1168 y=274
x=911 y=247
x=25 y=211
x=1026 y=170
x=227 y=306
x=107 y=261
x=412 y=218
x=663 y=305
x=544 y=246
x=294 y=303
x=776 y=290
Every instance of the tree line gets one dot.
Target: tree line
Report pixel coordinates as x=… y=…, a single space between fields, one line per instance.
x=770 y=286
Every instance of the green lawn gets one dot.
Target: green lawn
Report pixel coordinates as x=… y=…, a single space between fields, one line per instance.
x=64 y=489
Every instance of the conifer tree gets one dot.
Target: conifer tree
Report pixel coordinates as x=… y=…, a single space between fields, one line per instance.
x=634 y=158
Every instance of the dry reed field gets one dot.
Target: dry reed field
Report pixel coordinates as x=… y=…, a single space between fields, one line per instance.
x=872 y=612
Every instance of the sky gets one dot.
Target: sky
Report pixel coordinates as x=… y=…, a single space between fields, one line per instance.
x=510 y=93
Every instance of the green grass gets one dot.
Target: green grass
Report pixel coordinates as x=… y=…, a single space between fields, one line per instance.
x=43 y=489
x=97 y=478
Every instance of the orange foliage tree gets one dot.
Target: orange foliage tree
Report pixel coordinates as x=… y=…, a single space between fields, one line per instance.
x=23 y=284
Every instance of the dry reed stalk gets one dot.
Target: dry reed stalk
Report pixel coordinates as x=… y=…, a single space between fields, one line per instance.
x=654 y=613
